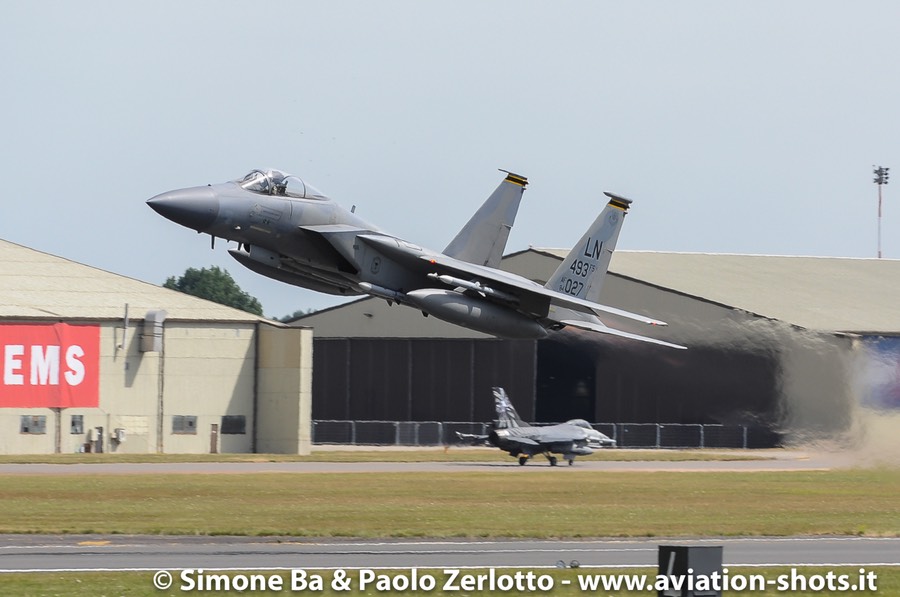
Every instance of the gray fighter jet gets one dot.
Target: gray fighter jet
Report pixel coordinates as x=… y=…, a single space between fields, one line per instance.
x=288 y=230
x=511 y=434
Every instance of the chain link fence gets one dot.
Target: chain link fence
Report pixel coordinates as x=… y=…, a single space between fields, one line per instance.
x=626 y=435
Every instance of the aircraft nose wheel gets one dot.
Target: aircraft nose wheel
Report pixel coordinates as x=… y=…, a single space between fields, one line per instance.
x=571 y=462
x=553 y=461
x=523 y=460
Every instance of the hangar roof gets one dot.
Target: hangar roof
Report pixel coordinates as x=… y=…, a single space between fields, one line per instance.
x=819 y=293
x=36 y=285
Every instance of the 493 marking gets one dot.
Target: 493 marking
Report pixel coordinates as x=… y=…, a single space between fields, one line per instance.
x=582 y=268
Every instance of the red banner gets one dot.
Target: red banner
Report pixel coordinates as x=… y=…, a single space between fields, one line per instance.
x=49 y=366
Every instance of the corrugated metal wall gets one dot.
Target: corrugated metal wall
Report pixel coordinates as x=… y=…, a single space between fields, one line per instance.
x=420 y=379
x=615 y=382
x=552 y=380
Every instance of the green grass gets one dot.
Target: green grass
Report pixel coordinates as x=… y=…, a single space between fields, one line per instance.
x=522 y=503
x=91 y=584
x=390 y=455
x=526 y=502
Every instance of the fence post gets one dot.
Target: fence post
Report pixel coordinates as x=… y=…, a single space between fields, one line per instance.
x=658 y=428
x=396 y=433
x=702 y=438
x=745 y=436
x=352 y=433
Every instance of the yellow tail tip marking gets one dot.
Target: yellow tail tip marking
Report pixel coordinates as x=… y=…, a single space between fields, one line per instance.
x=618 y=201
x=515 y=178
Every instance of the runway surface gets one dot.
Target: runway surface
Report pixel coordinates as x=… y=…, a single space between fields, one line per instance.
x=775 y=461
x=117 y=552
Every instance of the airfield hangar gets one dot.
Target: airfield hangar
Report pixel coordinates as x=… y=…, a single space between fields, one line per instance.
x=791 y=347
x=94 y=361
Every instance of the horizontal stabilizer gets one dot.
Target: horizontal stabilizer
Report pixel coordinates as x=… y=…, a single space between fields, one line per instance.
x=627 y=314
x=472 y=438
x=594 y=327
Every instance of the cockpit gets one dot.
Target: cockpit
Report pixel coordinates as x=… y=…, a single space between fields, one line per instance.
x=279 y=184
x=580 y=423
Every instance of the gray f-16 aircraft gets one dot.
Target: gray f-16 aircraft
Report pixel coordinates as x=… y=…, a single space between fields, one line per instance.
x=288 y=230
x=511 y=434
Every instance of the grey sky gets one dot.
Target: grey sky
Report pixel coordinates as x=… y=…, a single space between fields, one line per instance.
x=736 y=127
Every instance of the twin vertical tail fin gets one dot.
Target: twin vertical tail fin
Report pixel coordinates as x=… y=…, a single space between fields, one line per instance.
x=582 y=272
x=483 y=239
x=507 y=417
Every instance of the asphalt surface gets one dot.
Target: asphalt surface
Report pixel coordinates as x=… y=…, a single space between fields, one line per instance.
x=776 y=461
x=117 y=552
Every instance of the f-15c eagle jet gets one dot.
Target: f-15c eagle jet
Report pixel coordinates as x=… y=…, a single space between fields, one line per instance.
x=288 y=230
x=511 y=434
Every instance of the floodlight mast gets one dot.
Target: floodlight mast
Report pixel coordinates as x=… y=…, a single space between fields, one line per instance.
x=881 y=179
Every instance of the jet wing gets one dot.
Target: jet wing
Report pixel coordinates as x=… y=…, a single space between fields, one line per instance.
x=527 y=296
x=552 y=439
x=522 y=441
x=526 y=289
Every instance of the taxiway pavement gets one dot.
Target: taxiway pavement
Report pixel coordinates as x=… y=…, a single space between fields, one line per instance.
x=118 y=552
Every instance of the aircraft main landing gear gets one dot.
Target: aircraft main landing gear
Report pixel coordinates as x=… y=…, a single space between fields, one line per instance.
x=523 y=460
x=552 y=460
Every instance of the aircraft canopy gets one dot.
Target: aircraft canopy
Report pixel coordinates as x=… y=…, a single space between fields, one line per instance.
x=278 y=183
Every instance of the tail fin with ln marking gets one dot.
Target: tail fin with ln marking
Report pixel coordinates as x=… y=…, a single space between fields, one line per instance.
x=582 y=272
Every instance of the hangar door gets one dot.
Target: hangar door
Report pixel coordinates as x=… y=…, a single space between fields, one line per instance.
x=420 y=379
x=633 y=382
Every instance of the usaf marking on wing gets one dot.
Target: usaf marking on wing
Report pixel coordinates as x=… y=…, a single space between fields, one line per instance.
x=288 y=230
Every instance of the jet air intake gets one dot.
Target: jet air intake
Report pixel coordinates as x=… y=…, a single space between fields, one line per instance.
x=266 y=263
x=475 y=313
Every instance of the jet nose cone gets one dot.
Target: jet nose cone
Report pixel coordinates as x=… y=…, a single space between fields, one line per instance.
x=195 y=208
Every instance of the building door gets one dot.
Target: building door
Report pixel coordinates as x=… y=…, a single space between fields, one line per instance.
x=98 y=440
x=214 y=439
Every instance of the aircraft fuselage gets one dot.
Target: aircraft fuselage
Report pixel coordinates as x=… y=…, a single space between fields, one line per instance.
x=289 y=231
